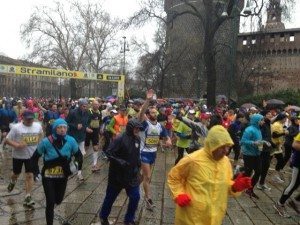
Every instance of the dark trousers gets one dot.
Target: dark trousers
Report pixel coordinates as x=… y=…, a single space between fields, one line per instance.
x=293 y=185
x=287 y=154
x=54 y=189
x=265 y=165
x=112 y=193
x=107 y=139
x=252 y=163
x=180 y=154
x=280 y=161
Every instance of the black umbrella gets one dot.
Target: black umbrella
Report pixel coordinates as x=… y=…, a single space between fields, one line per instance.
x=248 y=105
x=275 y=102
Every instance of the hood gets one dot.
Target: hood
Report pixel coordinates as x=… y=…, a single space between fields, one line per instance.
x=217 y=136
x=131 y=125
x=55 y=124
x=255 y=119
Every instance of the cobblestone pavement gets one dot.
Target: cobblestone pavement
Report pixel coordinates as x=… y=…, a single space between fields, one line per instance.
x=83 y=200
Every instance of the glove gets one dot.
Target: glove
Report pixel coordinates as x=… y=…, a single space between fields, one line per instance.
x=241 y=183
x=183 y=200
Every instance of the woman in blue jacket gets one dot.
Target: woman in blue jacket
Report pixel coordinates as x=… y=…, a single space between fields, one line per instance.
x=250 y=142
x=57 y=150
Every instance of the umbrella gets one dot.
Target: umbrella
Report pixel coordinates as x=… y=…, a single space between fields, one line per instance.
x=248 y=105
x=293 y=107
x=275 y=102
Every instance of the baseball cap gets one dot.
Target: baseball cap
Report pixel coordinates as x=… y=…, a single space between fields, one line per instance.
x=28 y=114
x=114 y=111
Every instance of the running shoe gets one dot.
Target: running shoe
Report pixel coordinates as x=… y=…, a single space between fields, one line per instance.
x=28 y=201
x=149 y=204
x=251 y=193
x=281 y=210
x=294 y=205
x=95 y=168
x=263 y=187
x=80 y=177
x=11 y=186
x=104 y=221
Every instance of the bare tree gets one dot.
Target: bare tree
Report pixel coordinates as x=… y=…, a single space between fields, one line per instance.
x=212 y=15
x=70 y=37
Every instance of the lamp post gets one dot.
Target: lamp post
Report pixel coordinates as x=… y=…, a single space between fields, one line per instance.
x=124 y=49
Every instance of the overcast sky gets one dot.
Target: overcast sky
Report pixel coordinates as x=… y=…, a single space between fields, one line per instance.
x=16 y=12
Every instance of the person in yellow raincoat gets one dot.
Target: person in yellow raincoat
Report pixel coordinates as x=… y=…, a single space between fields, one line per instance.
x=201 y=182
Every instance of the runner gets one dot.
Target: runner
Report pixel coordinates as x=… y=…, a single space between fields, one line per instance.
x=24 y=138
x=94 y=125
x=124 y=170
x=150 y=136
x=54 y=177
x=78 y=126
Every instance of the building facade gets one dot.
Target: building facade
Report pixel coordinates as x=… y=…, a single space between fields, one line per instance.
x=269 y=60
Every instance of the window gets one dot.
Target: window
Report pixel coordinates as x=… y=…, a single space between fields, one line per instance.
x=282 y=37
x=292 y=37
x=272 y=38
x=253 y=41
x=245 y=41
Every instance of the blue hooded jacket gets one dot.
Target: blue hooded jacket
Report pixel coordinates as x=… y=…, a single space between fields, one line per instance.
x=68 y=149
x=251 y=135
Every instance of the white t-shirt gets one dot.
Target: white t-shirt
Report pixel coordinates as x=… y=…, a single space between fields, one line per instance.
x=30 y=135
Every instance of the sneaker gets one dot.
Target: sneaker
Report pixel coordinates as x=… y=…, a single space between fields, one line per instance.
x=149 y=204
x=28 y=201
x=129 y=223
x=294 y=205
x=281 y=210
x=95 y=168
x=103 y=155
x=80 y=177
x=263 y=187
x=104 y=221
x=277 y=179
x=251 y=193
x=11 y=186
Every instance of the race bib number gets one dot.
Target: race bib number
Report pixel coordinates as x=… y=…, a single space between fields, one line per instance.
x=152 y=140
x=56 y=171
x=30 y=139
x=95 y=124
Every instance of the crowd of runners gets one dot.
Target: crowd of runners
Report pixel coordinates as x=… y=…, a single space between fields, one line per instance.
x=129 y=136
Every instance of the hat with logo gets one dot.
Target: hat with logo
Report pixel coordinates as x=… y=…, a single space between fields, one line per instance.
x=28 y=114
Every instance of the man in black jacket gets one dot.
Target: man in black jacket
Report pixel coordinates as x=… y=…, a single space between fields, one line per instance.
x=124 y=172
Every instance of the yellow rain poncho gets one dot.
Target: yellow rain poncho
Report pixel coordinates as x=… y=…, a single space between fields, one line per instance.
x=206 y=180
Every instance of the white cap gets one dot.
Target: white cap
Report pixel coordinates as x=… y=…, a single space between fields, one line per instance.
x=114 y=111
x=192 y=111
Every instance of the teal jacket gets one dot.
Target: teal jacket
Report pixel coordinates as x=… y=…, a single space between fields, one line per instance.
x=251 y=135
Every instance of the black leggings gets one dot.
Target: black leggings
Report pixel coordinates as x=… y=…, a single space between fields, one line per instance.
x=54 y=189
x=294 y=184
x=180 y=154
x=265 y=165
x=280 y=161
x=252 y=163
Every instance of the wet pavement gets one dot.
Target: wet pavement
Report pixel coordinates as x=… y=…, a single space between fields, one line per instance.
x=83 y=200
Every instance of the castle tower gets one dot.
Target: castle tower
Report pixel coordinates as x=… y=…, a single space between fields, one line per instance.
x=274 y=12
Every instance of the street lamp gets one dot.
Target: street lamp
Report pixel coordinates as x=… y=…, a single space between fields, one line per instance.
x=124 y=49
